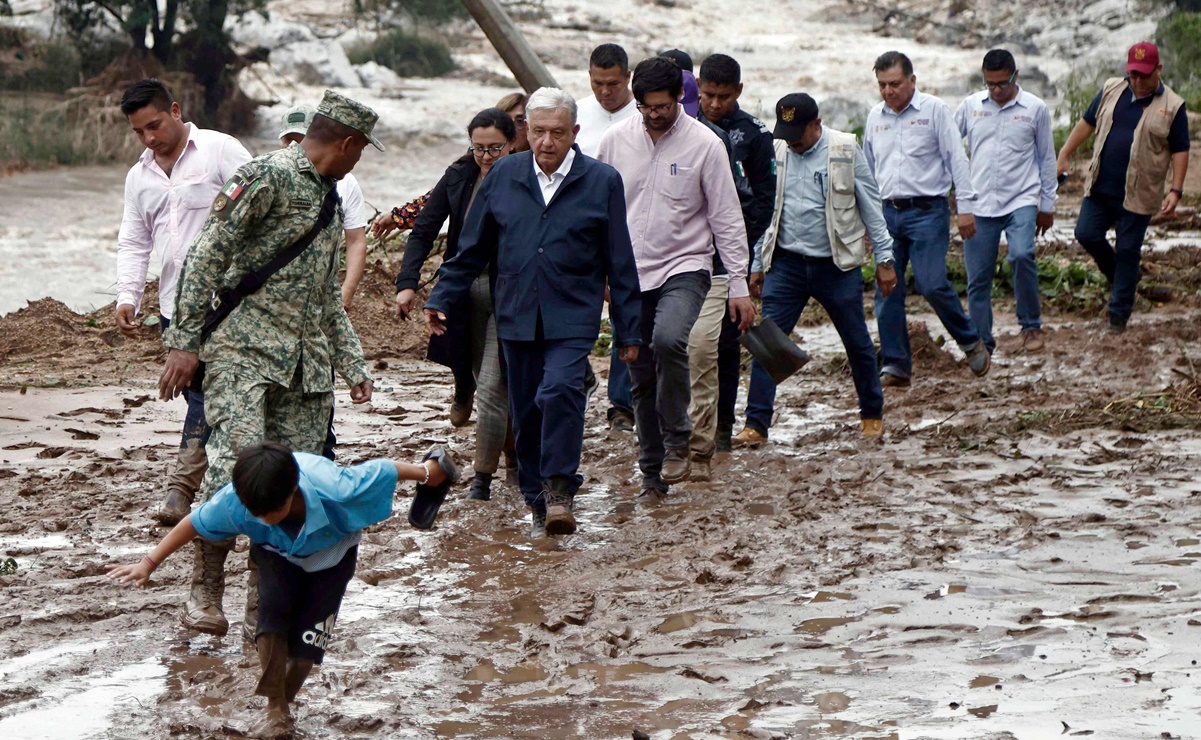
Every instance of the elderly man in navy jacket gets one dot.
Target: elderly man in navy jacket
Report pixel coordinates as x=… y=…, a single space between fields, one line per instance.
x=553 y=223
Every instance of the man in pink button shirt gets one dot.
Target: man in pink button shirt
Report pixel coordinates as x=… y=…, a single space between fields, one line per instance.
x=681 y=202
x=168 y=193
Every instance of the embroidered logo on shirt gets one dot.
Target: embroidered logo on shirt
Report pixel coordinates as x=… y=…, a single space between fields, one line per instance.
x=920 y=122
x=1023 y=119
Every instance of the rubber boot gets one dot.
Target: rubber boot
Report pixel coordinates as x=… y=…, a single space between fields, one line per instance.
x=203 y=610
x=183 y=483
x=250 y=621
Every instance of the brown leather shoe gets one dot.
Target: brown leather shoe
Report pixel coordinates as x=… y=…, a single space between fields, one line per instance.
x=460 y=412
x=888 y=380
x=872 y=428
x=676 y=466
x=1032 y=340
x=701 y=470
x=748 y=438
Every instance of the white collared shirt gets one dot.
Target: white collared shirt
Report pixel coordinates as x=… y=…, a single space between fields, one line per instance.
x=918 y=152
x=163 y=214
x=1013 y=153
x=550 y=183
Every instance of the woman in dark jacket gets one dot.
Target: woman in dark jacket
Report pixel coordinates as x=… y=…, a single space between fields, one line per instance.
x=469 y=347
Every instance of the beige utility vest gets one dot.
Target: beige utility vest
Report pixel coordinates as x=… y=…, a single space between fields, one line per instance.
x=843 y=223
x=1149 y=154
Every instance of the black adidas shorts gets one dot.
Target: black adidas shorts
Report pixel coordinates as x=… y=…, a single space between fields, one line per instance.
x=301 y=605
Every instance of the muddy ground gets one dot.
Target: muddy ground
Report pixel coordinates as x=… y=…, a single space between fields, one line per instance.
x=1017 y=559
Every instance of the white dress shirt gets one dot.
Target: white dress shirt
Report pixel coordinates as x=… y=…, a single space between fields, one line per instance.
x=1013 y=153
x=918 y=152
x=594 y=121
x=163 y=214
x=550 y=183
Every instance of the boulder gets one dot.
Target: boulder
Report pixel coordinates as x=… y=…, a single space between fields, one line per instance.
x=377 y=77
x=253 y=30
x=316 y=63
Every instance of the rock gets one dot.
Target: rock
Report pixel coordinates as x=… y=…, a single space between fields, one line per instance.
x=316 y=63
x=377 y=77
x=356 y=37
x=252 y=29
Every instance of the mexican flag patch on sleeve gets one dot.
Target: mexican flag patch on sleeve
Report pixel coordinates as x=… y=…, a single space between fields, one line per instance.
x=229 y=195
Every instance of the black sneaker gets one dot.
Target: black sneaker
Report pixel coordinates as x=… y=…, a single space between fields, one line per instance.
x=481 y=487
x=538 y=521
x=1116 y=326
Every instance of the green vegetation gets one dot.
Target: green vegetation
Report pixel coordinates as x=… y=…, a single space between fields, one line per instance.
x=34 y=130
x=1076 y=93
x=52 y=67
x=1179 y=39
x=407 y=54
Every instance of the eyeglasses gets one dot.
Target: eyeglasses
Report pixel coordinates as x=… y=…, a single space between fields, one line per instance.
x=1001 y=85
x=660 y=109
x=480 y=151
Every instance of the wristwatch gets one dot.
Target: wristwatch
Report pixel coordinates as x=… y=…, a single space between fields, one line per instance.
x=886 y=263
x=1177 y=191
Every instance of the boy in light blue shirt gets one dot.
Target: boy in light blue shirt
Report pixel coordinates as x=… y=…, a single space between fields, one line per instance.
x=304 y=516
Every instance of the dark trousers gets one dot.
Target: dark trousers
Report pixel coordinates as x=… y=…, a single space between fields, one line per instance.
x=300 y=605
x=546 y=406
x=194 y=424
x=620 y=393
x=662 y=389
x=729 y=372
x=921 y=235
x=787 y=288
x=1120 y=262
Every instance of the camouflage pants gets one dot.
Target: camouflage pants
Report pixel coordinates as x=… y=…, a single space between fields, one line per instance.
x=244 y=408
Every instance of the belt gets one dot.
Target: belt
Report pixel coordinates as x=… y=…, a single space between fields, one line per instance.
x=801 y=256
x=924 y=202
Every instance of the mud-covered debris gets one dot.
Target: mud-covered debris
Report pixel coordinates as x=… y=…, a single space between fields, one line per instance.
x=693 y=673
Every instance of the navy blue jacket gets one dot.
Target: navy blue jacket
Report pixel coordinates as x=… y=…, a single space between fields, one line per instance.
x=551 y=262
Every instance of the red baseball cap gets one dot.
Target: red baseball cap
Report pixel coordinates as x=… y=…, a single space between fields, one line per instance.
x=1143 y=58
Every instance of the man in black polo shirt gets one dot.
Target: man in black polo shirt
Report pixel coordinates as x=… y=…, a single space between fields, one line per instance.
x=753 y=162
x=1142 y=129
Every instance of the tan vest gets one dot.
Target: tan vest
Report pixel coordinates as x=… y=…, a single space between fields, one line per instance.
x=1149 y=154
x=843 y=223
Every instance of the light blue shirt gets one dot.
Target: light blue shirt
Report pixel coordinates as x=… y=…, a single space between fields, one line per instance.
x=803 y=226
x=339 y=503
x=918 y=152
x=1012 y=153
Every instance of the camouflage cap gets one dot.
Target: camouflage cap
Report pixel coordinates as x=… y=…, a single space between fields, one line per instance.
x=350 y=113
x=296 y=120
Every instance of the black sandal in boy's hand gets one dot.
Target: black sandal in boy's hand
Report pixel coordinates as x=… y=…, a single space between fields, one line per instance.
x=424 y=509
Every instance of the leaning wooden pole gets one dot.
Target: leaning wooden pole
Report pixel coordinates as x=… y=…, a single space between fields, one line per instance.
x=529 y=70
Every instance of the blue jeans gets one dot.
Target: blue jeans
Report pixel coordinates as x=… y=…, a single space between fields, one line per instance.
x=621 y=392
x=923 y=236
x=980 y=258
x=787 y=288
x=194 y=424
x=1121 y=261
x=662 y=390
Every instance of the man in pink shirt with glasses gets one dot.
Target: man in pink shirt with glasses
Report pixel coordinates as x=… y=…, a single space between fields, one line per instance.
x=168 y=193
x=681 y=204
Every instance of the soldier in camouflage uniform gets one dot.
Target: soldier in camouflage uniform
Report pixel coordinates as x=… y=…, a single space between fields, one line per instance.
x=269 y=362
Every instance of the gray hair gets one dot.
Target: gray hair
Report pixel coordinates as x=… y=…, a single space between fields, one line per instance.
x=551 y=98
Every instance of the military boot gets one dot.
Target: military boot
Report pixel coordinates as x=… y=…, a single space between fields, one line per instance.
x=203 y=610
x=250 y=621
x=183 y=483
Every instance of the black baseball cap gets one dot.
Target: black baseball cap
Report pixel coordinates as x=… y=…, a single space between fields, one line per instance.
x=794 y=113
x=681 y=58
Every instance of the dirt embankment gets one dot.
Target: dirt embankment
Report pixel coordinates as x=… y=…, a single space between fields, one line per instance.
x=48 y=344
